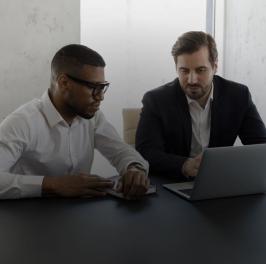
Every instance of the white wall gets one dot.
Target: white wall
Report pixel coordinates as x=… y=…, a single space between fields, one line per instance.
x=245 y=47
x=135 y=38
x=31 y=32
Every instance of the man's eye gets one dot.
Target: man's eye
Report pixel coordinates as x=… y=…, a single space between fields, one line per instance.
x=93 y=86
x=202 y=69
x=183 y=70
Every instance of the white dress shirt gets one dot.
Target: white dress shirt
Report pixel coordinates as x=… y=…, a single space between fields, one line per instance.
x=35 y=141
x=201 y=124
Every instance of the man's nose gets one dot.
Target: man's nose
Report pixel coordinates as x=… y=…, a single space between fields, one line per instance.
x=192 y=78
x=99 y=96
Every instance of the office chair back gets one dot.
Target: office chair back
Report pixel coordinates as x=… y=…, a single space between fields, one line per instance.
x=130 y=123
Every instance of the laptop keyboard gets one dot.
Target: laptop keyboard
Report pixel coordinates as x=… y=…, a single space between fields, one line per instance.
x=186 y=191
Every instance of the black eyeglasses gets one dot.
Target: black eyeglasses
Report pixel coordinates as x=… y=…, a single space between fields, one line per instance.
x=97 y=88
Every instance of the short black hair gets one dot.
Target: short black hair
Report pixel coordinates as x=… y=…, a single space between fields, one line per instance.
x=71 y=58
x=192 y=41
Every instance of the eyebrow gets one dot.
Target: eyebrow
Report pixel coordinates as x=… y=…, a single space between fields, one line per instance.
x=199 y=67
x=85 y=81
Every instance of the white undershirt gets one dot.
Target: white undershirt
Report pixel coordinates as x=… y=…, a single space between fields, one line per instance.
x=201 y=124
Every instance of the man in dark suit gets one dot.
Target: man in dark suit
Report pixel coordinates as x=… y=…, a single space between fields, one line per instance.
x=197 y=110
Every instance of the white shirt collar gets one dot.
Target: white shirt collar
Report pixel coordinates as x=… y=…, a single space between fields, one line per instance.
x=53 y=117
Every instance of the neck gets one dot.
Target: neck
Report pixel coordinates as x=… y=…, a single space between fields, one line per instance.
x=60 y=107
x=203 y=100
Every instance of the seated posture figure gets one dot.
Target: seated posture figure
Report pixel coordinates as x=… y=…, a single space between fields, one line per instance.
x=47 y=145
x=196 y=110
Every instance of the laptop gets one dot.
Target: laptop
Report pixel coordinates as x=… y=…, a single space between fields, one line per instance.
x=225 y=172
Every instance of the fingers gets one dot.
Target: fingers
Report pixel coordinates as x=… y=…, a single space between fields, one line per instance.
x=94 y=181
x=134 y=184
x=79 y=185
x=147 y=183
x=199 y=157
x=126 y=183
x=92 y=177
x=197 y=161
x=119 y=185
x=191 y=166
x=193 y=172
x=100 y=184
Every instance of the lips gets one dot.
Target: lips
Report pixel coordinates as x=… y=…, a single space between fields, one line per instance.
x=94 y=107
x=194 y=87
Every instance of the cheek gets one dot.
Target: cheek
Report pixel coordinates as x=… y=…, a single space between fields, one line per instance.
x=79 y=101
x=208 y=79
x=183 y=79
x=83 y=96
x=85 y=102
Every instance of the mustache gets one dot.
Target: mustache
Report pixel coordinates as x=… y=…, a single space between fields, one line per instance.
x=194 y=86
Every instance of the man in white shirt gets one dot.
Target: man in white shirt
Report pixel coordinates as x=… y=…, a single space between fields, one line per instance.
x=47 y=145
x=197 y=110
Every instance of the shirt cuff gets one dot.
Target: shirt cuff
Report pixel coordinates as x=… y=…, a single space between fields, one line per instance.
x=31 y=186
x=137 y=166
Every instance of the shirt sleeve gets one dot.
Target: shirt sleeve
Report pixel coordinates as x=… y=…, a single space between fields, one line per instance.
x=15 y=136
x=252 y=130
x=112 y=147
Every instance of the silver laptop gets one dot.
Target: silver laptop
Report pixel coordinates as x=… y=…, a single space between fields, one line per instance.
x=226 y=171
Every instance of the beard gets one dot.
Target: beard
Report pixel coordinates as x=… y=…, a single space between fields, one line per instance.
x=86 y=115
x=77 y=111
x=197 y=91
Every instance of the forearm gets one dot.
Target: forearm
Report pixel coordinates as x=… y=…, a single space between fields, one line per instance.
x=48 y=186
x=164 y=163
x=118 y=153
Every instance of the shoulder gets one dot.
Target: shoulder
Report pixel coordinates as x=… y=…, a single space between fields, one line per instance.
x=231 y=94
x=225 y=86
x=164 y=90
x=166 y=94
x=22 y=119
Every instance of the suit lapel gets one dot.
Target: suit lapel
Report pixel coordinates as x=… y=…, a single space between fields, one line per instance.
x=183 y=109
x=215 y=113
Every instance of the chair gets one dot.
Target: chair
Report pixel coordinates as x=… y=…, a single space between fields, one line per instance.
x=130 y=123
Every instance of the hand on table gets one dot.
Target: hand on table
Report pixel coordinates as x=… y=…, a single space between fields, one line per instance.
x=81 y=185
x=191 y=166
x=134 y=183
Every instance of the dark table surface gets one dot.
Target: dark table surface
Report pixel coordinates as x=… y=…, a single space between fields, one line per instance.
x=162 y=228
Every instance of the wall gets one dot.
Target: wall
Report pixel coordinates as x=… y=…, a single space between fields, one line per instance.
x=244 y=47
x=31 y=32
x=135 y=38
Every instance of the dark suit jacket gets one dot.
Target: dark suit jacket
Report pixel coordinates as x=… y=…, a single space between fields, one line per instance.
x=164 y=132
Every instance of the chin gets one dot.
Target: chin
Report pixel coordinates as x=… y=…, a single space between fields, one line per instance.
x=87 y=115
x=196 y=95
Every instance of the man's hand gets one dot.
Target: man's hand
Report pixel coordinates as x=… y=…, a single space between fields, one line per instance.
x=191 y=166
x=81 y=185
x=134 y=183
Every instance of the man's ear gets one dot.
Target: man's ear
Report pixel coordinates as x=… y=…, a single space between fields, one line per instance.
x=215 y=66
x=175 y=60
x=63 y=82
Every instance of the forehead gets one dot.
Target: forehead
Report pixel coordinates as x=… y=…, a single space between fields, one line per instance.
x=92 y=73
x=196 y=59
